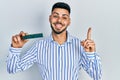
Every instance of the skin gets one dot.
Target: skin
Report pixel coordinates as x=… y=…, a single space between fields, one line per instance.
x=88 y=44
x=59 y=21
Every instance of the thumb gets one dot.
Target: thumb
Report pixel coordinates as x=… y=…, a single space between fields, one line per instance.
x=82 y=43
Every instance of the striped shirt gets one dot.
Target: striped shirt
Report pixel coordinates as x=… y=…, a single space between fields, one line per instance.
x=56 y=62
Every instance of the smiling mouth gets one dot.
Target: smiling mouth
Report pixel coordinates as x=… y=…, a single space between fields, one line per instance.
x=58 y=26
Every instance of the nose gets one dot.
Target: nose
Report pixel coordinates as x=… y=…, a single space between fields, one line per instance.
x=59 y=19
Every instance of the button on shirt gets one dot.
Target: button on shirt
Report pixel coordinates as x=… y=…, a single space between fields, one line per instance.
x=56 y=62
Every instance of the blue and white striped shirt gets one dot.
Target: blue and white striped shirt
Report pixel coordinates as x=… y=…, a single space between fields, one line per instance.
x=56 y=62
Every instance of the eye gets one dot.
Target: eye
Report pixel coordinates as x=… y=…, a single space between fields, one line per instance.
x=65 y=18
x=55 y=16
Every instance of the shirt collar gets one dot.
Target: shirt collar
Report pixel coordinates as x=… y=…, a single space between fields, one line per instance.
x=69 y=38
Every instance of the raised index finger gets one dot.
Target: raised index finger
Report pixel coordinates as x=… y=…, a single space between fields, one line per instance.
x=89 y=33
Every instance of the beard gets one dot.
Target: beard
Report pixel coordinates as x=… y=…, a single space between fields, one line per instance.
x=58 y=32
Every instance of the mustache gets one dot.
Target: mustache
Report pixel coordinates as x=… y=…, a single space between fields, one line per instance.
x=59 y=23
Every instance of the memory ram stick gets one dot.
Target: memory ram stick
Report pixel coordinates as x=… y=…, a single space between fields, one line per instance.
x=31 y=36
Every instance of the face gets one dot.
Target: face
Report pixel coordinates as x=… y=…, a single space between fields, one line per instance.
x=59 y=20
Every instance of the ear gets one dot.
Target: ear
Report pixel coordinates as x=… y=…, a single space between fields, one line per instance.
x=49 y=18
x=69 y=21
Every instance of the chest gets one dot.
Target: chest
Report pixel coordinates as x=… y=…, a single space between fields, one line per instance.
x=58 y=55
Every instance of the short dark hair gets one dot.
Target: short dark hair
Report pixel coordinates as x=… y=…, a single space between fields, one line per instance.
x=61 y=5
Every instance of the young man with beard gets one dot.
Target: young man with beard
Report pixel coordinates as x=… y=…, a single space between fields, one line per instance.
x=61 y=55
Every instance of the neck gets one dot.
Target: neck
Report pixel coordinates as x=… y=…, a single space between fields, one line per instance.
x=60 y=38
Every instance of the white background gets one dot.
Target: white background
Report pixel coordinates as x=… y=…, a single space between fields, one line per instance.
x=31 y=16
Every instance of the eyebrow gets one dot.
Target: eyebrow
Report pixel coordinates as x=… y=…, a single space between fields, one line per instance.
x=58 y=14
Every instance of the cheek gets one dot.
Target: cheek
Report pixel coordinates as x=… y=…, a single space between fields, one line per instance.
x=67 y=23
x=52 y=20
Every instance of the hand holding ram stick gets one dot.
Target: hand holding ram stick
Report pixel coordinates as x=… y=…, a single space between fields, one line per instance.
x=20 y=39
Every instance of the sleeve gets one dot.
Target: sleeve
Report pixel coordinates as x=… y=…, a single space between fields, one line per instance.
x=16 y=62
x=91 y=63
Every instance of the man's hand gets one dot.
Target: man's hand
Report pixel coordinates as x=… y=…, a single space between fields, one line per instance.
x=17 y=41
x=88 y=44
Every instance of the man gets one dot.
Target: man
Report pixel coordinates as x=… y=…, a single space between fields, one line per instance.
x=60 y=56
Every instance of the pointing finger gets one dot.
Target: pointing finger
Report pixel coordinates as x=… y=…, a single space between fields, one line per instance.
x=89 y=33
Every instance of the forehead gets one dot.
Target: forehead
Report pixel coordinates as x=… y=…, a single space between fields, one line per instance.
x=60 y=11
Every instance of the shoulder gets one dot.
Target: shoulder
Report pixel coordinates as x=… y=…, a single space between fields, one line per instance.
x=42 y=41
x=74 y=38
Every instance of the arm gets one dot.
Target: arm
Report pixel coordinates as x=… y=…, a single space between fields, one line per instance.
x=90 y=59
x=91 y=63
x=16 y=62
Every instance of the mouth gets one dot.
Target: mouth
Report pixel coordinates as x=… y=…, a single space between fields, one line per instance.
x=58 y=26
